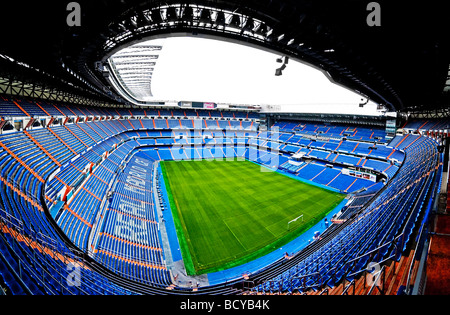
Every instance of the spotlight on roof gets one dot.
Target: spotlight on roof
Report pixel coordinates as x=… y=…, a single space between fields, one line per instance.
x=249 y=26
x=279 y=71
x=261 y=30
x=187 y=14
x=205 y=16
x=171 y=14
x=285 y=61
x=156 y=16
x=235 y=21
x=220 y=19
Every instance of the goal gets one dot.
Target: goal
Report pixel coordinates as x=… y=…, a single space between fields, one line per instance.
x=289 y=225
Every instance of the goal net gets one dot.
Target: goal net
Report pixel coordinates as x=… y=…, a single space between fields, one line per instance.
x=290 y=223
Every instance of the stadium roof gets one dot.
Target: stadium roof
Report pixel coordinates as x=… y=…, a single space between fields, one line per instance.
x=133 y=69
x=403 y=64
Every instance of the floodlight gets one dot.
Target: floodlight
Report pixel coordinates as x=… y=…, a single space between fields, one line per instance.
x=235 y=21
x=205 y=16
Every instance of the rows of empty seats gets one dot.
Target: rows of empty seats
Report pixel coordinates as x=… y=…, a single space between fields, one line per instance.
x=295 y=142
x=12 y=107
x=90 y=135
x=36 y=264
x=368 y=154
x=332 y=130
x=34 y=257
x=29 y=158
x=167 y=153
x=77 y=217
x=129 y=242
x=89 y=159
x=381 y=231
x=428 y=124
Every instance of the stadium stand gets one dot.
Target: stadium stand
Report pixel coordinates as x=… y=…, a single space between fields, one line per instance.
x=381 y=232
x=127 y=206
x=437 y=254
x=95 y=190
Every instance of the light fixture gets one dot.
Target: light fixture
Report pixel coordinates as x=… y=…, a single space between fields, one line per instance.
x=279 y=71
x=285 y=61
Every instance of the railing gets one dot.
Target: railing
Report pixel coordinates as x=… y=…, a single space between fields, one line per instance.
x=376 y=280
x=40 y=243
x=50 y=253
x=11 y=227
x=98 y=222
x=398 y=243
x=422 y=237
x=47 y=243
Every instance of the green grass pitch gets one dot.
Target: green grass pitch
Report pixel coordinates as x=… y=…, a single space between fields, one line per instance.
x=229 y=212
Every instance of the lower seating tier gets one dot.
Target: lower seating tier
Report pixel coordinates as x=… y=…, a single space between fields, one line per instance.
x=91 y=159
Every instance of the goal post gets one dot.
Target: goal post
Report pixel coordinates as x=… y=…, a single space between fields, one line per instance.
x=292 y=221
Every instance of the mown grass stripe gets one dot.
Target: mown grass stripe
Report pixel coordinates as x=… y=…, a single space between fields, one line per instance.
x=228 y=213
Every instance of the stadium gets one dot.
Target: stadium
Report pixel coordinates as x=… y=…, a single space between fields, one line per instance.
x=108 y=188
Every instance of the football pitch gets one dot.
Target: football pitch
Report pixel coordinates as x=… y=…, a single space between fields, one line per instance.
x=228 y=213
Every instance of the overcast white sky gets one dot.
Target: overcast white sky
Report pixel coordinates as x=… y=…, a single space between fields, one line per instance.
x=197 y=69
